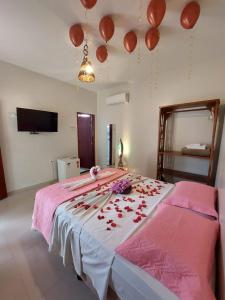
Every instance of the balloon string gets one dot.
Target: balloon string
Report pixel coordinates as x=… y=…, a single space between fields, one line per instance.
x=156 y=69
x=129 y=69
x=139 y=19
x=150 y=76
x=190 y=56
x=86 y=23
x=139 y=53
x=140 y=11
x=108 y=72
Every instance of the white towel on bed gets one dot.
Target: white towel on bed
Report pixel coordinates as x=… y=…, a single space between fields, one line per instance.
x=80 y=183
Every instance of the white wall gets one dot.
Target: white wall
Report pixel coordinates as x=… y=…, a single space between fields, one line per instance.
x=27 y=157
x=137 y=122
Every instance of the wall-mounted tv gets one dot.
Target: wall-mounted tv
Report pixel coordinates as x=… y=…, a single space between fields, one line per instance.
x=36 y=121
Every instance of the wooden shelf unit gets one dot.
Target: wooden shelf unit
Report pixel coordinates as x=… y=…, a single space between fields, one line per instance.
x=164 y=113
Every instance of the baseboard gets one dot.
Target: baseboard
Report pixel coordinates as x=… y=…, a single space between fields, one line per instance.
x=39 y=185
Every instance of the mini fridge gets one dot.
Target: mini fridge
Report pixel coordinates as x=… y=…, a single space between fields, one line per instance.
x=68 y=167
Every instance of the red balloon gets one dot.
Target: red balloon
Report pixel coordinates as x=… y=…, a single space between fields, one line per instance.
x=76 y=35
x=101 y=53
x=130 y=41
x=152 y=38
x=88 y=3
x=190 y=15
x=156 y=11
x=106 y=28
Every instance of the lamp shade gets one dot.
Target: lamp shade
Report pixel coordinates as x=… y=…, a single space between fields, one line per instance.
x=86 y=73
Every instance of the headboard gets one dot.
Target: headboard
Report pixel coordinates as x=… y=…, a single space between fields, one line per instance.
x=221 y=247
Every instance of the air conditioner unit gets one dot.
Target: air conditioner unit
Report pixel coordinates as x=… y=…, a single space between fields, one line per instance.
x=117 y=99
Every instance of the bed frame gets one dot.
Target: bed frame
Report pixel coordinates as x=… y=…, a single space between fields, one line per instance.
x=220 y=286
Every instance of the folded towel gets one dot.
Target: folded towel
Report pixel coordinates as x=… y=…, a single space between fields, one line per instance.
x=71 y=183
x=196 y=146
x=80 y=183
x=197 y=152
x=104 y=175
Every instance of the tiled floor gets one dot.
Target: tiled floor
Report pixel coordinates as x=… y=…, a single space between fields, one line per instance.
x=27 y=270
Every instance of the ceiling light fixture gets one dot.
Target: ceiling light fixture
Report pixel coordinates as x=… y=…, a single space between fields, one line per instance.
x=86 y=73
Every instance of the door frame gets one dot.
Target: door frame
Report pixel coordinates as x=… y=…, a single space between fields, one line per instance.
x=93 y=133
x=3 y=190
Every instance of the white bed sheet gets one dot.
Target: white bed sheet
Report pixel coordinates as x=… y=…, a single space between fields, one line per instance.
x=131 y=283
x=81 y=240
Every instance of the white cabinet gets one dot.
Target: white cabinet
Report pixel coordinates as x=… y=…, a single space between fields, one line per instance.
x=68 y=167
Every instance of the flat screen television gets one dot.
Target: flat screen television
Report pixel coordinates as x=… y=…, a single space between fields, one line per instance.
x=36 y=121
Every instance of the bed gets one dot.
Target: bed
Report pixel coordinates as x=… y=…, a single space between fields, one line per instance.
x=87 y=238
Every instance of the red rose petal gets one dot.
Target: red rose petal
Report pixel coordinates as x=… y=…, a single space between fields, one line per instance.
x=120 y=215
x=86 y=206
x=113 y=224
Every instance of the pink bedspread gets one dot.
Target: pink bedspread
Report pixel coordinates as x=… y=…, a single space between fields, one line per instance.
x=50 y=197
x=177 y=248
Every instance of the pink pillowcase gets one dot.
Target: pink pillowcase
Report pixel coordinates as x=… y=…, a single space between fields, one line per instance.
x=177 y=248
x=194 y=196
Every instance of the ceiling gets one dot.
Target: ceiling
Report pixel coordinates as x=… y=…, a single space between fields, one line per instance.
x=34 y=35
